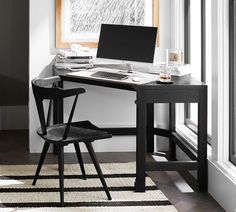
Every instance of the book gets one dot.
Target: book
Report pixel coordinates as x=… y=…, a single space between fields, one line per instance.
x=69 y=54
x=73 y=66
x=79 y=57
x=180 y=70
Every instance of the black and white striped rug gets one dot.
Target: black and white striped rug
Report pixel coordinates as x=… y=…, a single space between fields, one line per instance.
x=17 y=192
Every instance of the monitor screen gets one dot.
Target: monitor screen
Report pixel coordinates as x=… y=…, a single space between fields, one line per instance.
x=131 y=43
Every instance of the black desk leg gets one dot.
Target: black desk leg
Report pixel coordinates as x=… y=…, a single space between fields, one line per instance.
x=150 y=128
x=57 y=112
x=172 y=145
x=140 y=147
x=202 y=142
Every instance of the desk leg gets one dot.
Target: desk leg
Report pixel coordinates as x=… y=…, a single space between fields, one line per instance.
x=150 y=128
x=140 y=147
x=172 y=145
x=57 y=112
x=202 y=142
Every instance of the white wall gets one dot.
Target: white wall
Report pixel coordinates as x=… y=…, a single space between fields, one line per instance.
x=42 y=14
x=105 y=107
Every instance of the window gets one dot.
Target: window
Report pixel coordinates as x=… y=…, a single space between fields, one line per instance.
x=194 y=56
x=232 y=80
x=199 y=55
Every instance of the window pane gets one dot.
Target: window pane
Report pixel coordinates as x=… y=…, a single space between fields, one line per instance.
x=232 y=80
x=195 y=38
x=208 y=65
x=195 y=56
x=195 y=50
x=234 y=141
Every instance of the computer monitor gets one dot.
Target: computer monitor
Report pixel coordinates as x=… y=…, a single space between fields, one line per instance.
x=127 y=43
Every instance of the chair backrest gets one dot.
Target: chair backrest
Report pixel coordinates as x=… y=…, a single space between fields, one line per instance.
x=46 y=89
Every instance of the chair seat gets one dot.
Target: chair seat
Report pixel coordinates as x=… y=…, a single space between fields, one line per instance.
x=83 y=131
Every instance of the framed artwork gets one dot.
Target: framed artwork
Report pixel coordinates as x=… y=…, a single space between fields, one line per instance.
x=79 y=21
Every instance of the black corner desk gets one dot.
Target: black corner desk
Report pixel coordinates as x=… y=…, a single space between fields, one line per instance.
x=185 y=89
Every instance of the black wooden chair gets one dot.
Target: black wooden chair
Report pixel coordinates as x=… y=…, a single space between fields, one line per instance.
x=63 y=134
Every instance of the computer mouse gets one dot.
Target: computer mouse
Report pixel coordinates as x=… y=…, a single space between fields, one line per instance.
x=136 y=79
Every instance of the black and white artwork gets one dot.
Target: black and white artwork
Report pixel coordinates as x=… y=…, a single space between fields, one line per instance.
x=81 y=19
x=87 y=15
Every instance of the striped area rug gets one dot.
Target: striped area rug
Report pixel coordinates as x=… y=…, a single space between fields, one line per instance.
x=17 y=192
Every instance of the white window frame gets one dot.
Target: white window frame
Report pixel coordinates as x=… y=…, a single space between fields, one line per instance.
x=221 y=172
x=182 y=122
x=220 y=82
x=220 y=91
x=177 y=41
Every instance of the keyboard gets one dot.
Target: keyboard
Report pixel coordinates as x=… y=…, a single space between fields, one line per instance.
x=109 y=75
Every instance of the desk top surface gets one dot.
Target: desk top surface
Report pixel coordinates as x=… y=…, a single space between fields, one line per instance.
x=178 y=82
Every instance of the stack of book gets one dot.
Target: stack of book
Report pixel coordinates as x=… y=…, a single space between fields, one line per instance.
x=180 y=70
x=73 y=62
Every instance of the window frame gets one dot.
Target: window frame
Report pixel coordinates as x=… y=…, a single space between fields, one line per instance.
x=232 y=71
x=187 y=109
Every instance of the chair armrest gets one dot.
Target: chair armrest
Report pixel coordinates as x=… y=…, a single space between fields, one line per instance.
x=63 y=93
x=43 y=89
x=44 y=82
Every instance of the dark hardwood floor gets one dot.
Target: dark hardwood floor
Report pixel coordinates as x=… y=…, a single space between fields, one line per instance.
x=14 y=150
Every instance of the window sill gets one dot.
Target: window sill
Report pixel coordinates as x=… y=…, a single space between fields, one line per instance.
x=227 y=169
x=190 y=137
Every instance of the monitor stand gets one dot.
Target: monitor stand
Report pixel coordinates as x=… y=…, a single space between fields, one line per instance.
x=129 y=68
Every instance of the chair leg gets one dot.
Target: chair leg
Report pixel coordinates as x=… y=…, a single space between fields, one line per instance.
x=79 y=156
x=41 y=160
x=96 y=164
x=61 y=172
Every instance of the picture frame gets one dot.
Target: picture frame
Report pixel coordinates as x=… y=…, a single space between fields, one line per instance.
x=74 y=26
